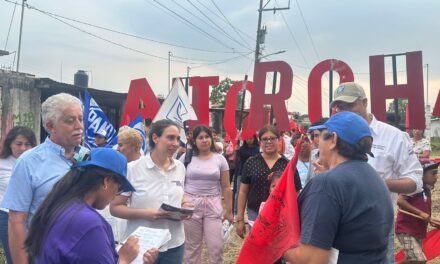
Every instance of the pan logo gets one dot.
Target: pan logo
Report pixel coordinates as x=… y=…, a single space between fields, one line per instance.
x=177 y=112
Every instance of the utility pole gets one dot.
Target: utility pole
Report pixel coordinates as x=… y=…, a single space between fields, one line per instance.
x=21 y=31
x=169 y=70
x=262 y=31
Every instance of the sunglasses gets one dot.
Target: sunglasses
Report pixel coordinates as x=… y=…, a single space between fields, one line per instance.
x=267 y=139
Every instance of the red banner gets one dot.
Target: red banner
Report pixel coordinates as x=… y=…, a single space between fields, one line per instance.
x=277 y=227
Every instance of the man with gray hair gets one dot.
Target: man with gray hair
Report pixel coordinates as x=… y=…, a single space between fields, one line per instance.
x=394 y=158
x=37 y=170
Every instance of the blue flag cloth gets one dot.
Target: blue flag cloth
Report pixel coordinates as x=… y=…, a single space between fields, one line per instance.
x=94 y=121
x=138 y=124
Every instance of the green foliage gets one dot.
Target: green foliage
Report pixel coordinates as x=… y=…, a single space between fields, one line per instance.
x=218 y=94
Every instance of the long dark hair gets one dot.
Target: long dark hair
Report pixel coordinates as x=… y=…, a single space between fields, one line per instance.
x=74 y=185
x=26 y=132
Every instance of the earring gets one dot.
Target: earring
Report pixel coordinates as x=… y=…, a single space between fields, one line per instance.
x=105 y=187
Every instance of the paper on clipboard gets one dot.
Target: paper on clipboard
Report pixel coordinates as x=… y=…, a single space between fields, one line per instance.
x=150 y=238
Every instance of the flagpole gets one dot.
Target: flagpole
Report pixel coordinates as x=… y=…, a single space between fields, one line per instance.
x=234 y=189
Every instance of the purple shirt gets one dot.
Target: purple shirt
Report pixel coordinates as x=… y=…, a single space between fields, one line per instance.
x=78 y=235
x=203 y=176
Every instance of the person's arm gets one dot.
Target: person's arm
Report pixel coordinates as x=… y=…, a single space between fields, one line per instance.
x=17 y=236
x=403 y=203
x=425 y=154
x=408 y=168
x=227 y=194
x=119 y=208
x=305 y=253
x=129 y=251
x=404 y=185
x=241 y=205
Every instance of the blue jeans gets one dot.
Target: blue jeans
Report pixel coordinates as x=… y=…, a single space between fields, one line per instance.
x=171 y=256
x=4 y=235
x=252 y=215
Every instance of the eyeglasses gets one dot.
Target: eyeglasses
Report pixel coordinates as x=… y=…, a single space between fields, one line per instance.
x=267 y=139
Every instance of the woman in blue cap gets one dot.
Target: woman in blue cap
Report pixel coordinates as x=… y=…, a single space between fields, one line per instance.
x=67 y=228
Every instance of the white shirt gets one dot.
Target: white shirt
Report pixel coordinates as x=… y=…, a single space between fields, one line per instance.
x=6 y=166
x=154 y=187
x=289 y=150
x=394 y=157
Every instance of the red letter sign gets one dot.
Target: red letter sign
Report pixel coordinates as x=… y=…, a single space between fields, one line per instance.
x=230 y=107
x=412 y=90
x=260 y=98
x=140 y=100
x=200 y=98
x=314 y=84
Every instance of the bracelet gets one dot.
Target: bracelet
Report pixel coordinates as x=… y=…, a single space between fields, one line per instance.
x=238 y=221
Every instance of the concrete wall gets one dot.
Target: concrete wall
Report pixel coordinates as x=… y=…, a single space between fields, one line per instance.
x=19 y=102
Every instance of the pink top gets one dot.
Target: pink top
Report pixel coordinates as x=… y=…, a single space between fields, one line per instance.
x=203 y=176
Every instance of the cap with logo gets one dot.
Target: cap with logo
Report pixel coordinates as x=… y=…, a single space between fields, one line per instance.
x=109 y=159
x=101 y=132
x=348 y=92
x=349 y=126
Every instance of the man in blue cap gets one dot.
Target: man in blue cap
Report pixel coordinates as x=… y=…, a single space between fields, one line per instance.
x=346 y=207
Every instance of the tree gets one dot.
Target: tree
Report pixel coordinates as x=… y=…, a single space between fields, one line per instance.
x=218 y=94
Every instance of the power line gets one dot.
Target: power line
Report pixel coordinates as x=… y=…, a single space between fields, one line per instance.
x=229 y=23
x=124 y=46
x=293 y=37
x=10 y=25
x=308 y=31
x=127 y=34
x=220 y=17
x=191 y=24
x=224 y=61
x=214 y=25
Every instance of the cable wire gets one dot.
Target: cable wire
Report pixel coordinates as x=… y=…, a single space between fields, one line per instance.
x=213 y=26
x=229 y=23
x=10 y=25
x=191 y=24
x=308 y=31
x=131 y=35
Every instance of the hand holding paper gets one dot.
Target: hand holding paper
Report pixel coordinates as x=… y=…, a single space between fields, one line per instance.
x=150 y=239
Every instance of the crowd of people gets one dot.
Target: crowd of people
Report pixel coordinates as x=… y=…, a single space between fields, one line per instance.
x=62 y=203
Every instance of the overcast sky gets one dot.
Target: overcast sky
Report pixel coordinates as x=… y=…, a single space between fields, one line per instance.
x=310 y=31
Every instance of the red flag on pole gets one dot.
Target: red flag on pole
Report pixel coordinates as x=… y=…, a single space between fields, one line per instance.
x=431 y=246
x=277 y=227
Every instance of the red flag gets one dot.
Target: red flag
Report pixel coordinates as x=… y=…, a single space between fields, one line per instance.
x=277 y=227
x=431 y=246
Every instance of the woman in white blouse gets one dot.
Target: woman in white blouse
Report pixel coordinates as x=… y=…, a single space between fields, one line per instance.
x=158 y=179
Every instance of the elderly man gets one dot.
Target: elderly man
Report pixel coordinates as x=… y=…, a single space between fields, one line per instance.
x=37 y=170
x=346 y=207
x=394 y=158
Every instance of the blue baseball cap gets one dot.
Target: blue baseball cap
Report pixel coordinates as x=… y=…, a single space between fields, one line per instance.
x=109 y=159
x=349 y=126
